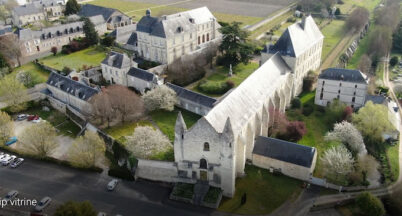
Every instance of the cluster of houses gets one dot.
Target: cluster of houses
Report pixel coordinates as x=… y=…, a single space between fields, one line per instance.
x=233 y=129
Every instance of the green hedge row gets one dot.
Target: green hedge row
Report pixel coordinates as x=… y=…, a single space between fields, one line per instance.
x=211 y=87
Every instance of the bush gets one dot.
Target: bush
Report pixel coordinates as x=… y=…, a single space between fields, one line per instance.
x=184 y=190
x=210 y=87
x=370 y=205
x=230 y=83
x=66 y=70
x=394 y=60
x=147 y=65
x=107 y=41
x=337 y=12
x=212 y=195
x=122 y=173
x=308 y=109
x=295 y=103
x=291 y=20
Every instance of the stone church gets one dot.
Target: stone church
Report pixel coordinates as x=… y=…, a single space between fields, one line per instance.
x=216 y=148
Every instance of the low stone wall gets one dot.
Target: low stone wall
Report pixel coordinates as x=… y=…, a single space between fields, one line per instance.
x=157 y=170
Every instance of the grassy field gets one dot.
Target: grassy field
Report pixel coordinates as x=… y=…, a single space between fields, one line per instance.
x=90 y=57
x=166 y=120
x=38 y=74
x=333 y=33
x=317 y=124
x=264 y=28
x=393 y=158
x=240 y=73
x=361 y=50
x=265 y=192
x=137 y=10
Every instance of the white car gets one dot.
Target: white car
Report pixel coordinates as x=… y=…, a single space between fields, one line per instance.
x=17 y=162
x=11 y=195
x=112 y=184
x=43 y=204
x=4 y=157
x=22 y=117
x=37 y=120
x=9 y=160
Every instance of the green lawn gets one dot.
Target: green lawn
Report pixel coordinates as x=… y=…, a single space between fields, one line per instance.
x=57 y=119
x=265 y=192
x=166 y=120
x=90 y=57
x=240 y=73
x=317 y=124
x=268 y=26
x=126 y=129
x=393 y=158
x=38 y=74
x=361 y=50
x=333 y=33
x=137 y=11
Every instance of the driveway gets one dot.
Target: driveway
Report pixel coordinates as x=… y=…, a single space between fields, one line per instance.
x=64 y=141
x=36 y=179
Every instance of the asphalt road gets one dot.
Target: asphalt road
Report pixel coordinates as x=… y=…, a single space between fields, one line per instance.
x=36 y=179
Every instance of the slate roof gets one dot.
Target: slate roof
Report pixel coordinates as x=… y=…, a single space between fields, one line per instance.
x=168 y=25
x=117 y=60
x=345 y=75
x=71 y=87
x=89 y=10
x=284 y=151
x=27 y=9
x=297 y=38
x=376 y=99
x=97 y=20
x=28 y=34
x=192 y=96
x=126 y=34
x=141 y=74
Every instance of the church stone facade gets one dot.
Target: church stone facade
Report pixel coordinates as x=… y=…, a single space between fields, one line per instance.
x=216 y=148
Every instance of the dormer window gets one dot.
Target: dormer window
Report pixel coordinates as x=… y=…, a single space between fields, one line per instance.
x=179 y=29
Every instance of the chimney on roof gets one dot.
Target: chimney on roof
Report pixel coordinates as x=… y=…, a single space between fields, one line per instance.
x=148 y=12
x=303 y=22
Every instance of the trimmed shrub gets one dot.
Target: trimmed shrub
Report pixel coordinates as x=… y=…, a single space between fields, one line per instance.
x=295 y=103
x=370 y=205
x=210 y=87
x=308 y=109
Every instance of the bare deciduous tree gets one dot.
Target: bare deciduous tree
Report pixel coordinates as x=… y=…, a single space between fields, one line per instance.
x=346 y=133
x=161 y=97
x=125 y=102
x=87 y=150
x=147 y=141
x=186 y=70
x=39 y=139
x=365 y=64
x=6 y=127
x=357 y=19
x=14 y=93
x=337 y=162
x=102 y=108
x=10 y=48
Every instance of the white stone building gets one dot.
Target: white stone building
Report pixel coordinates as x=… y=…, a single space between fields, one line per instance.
x=63 y=91
x=37 y=11
x=142 y=80
x=113 y=17
x=169 y=37
x=348 y=86
x=300 y=46
x=115 y=68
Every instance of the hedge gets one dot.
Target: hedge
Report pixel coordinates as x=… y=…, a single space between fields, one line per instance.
x=211 y=87
x=122 y=173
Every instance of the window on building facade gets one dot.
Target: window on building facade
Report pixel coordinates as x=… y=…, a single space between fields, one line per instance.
x=339 y=91
x=207 y=36
x=353 y=99
x=355 y=86
x=340 y=84
x=203 y=164
x=203 y=38
x=323 y=82
x=337 y=97
x=199 y=40
x=183 y=49
x=321 y=96
x=206 y=146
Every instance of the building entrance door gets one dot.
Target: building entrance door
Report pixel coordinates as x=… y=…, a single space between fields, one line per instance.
x=203 y=175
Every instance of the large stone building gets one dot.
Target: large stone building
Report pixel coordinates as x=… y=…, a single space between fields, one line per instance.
x=37 y=42
x=348 y=86
x=113 y=17
x=37 y=11
x=164 y=39
x=64 y=92
x=300 y=46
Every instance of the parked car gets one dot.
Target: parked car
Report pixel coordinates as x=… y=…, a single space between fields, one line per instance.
x=9 y=160
x=11 y=195
x=17 y=162
x=11 y=141
x=33 y=117
x=4 y=157
x=37 y=120
x=101 y=214
x=43 y=204
x=112 y=184
x=22 y=117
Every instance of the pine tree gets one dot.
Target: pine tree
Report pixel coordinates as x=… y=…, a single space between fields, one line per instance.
x=91 y=35
x=72 y=7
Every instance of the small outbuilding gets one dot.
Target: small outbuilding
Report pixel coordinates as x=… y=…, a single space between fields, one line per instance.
x=289 y=158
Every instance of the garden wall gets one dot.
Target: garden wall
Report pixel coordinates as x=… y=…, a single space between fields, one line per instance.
x=157 y=170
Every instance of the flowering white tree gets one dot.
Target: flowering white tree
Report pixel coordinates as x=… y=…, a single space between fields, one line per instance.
x=87 y=150
x=161 y=97
x=348 y=134
x=338 y=162
x=146 y=142
x=6 y=127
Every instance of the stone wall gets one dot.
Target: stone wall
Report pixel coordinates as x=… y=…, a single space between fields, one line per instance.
x=157 y=170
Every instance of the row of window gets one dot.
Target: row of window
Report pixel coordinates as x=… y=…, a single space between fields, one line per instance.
x=338 y=96
x=340 y=84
